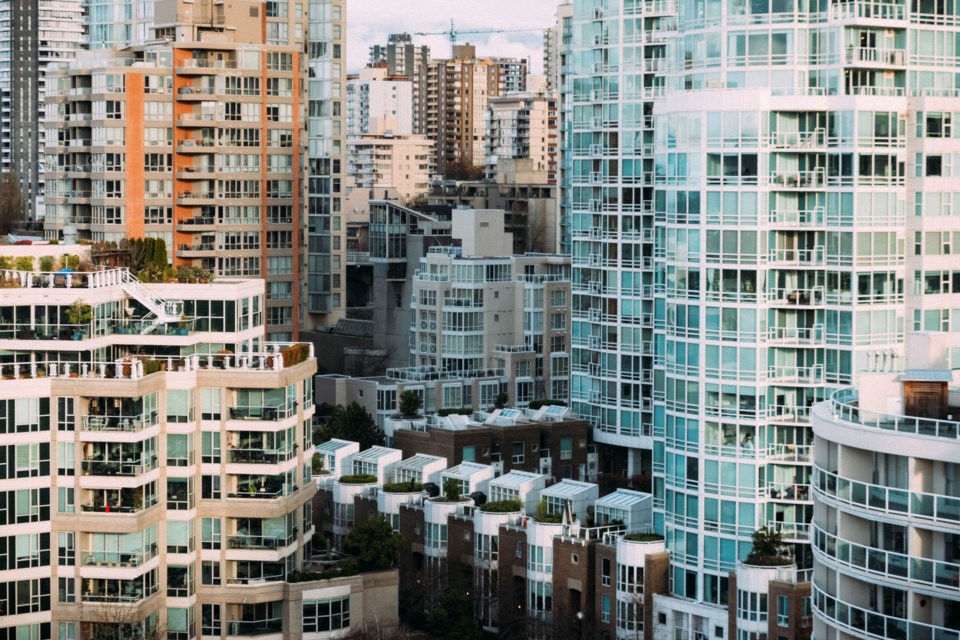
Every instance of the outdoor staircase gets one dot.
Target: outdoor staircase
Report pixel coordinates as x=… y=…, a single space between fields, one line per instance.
x=160 y=311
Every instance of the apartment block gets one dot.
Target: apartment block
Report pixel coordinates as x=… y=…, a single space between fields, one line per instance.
x=548 y=440
x=200 y=142
x=404 y=58
x=156 y=458
x=326 y=150
x=742 y=221
x=510 y=312
x=457 y=94
x=523 y=125
x=33 y=36
x=379 y=103
x=388 y=162
x=886 y=519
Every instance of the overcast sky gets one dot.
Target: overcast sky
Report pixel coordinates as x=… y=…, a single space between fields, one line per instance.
x=371 y=21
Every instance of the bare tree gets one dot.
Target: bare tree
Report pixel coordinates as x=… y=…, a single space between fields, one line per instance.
x=120 y=623
x=11 y=202
x=365 y=360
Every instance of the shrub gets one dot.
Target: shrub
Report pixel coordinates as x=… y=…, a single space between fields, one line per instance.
x=643 y=537
x=24 y=263
x=79 y=312
x=403 y=487
x=462 y=411
x=502 y=506
x=6 y=263
x=47 y=263
x=295 y=354
x=543 y=516
x=410 y=404
x=358 y=478
x=767 y=548
x=537 y=404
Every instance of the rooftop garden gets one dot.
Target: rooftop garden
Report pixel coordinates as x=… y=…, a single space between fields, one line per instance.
x=768 y=549
x=403 y=487
x=643 y=537
x=358 y=478
x=543 y=516
x=502 y=506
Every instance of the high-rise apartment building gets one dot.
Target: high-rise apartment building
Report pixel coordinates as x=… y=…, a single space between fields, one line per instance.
x=200 y=141
x=523 y=125
x=558 y=71
x=403 y=58
x=886 y=527
x=760 y=196
x=33 y=35
x=155 y=458
x=326 y=150
x=378 y=103
x=113 y=24
x=457 y=95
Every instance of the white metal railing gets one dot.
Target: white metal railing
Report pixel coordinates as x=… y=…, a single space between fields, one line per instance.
x=887 y=564
x=929 y=507
x=844 y=405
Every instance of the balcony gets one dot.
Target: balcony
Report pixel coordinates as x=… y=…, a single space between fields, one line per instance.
x=875 y=57
x=251 y=628
x=259 y=542
x=268 y=413
x=117 y=558
x=194 y=94
x=879 y=500
x=868 y=9
x=262 y=487
x=118 y=591
x=121 y=501
x=127 y=468
x=259 y=456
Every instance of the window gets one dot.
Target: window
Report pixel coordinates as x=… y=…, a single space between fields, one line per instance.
x=209 y=573
x=605 y=572
x=66 y=590
x=783 y=611
x=65 y=414
x=326 y=615
x=210 y=619
x=211 y=446
x=66 y=554
x=605 y=608
x=65 y=500
x=469 y=454
x=566 y=448
x=517 y=449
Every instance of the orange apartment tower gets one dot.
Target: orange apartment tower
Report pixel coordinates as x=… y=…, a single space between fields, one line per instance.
x=199 y=138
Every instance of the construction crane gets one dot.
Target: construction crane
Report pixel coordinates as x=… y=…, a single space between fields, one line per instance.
x=453 y=33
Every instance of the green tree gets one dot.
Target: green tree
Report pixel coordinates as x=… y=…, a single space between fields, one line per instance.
x=11 y=202
x=767 y=547
x=451 y=617
x=501 y=401
x=410 y=404
x=375 y=544
x=352 y=422
x=451 y=489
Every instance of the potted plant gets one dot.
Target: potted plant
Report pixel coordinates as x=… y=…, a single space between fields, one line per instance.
x=182 y=325
x=79 y=313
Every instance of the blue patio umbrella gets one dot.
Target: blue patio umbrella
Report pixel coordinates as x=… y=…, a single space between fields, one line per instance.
x=66 y=270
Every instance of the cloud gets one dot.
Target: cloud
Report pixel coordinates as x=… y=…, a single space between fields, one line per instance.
x=369 y=22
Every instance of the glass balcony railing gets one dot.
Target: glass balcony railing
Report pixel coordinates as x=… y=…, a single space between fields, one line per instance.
x=256 y=627
x=844 y=404
x=928 y=507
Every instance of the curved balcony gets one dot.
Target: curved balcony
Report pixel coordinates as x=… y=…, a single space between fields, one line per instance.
x=844 y=405
x=871 y=624
x=886 y=565
x=876 y=499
